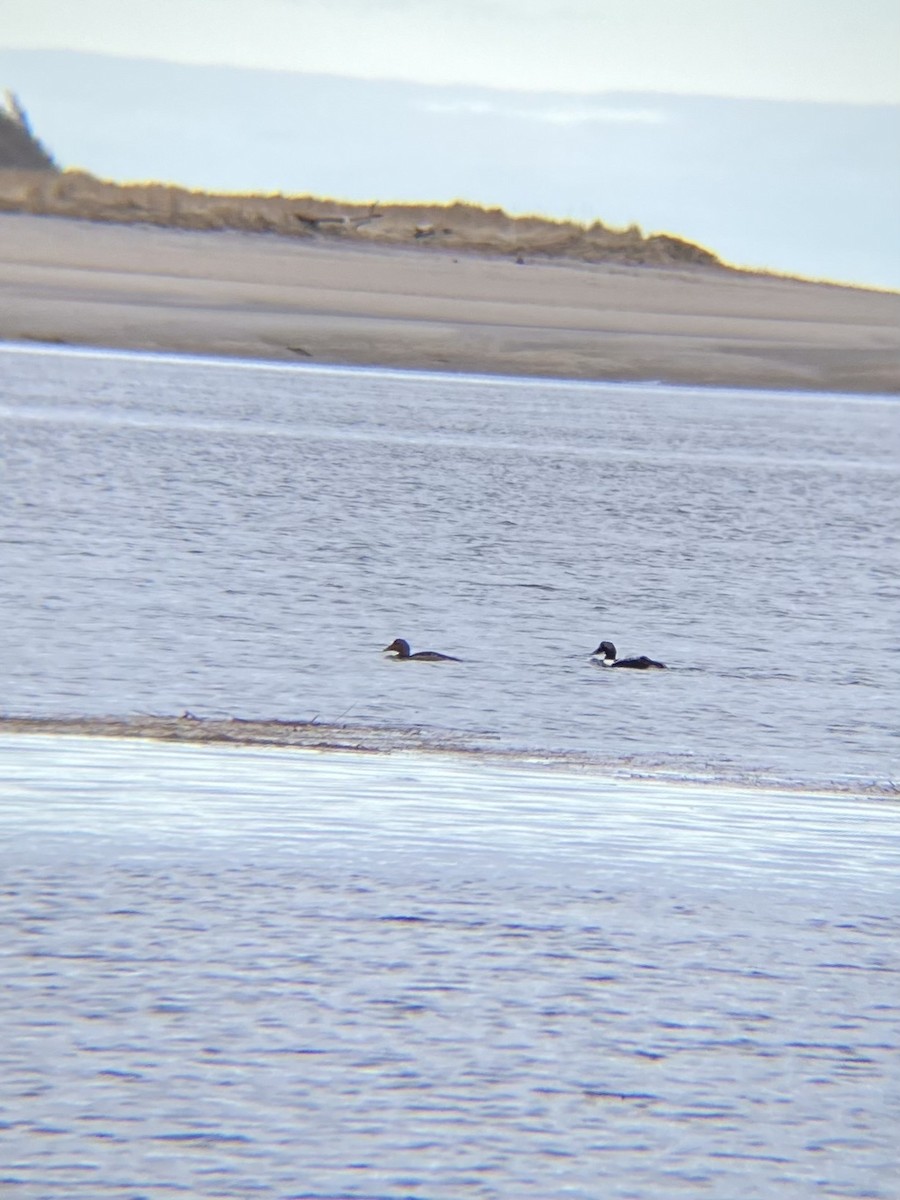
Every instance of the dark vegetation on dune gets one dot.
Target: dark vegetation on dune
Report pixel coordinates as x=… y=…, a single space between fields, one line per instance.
x=19 y=148
x=31 y=182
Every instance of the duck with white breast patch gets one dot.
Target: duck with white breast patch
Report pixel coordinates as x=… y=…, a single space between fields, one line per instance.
x=605 y=656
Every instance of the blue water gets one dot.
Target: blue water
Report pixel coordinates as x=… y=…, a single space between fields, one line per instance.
x=237 y=972
x=649 y=949
x=244 y=539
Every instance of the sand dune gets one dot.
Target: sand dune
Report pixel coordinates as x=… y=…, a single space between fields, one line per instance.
x=420 y=304
x=455 y=226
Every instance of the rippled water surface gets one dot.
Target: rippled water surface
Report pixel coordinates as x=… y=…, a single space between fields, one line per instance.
x=235 y=972
x=243 y=539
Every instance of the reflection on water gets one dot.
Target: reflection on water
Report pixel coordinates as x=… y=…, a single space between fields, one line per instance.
x=234 y=972
x=242 y=539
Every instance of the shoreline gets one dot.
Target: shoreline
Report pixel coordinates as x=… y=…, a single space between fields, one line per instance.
x=385 y=741
x=332 y=301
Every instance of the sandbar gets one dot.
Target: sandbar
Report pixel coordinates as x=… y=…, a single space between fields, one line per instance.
x=331 y=301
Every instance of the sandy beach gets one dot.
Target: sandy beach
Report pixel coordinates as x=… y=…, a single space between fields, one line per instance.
x=331 y=300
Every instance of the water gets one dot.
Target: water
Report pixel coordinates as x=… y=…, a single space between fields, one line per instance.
x=280 y=973
x=234 y=972
x=243 y=539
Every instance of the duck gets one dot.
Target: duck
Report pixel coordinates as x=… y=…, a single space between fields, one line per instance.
x=400 y=650
x=605 y=655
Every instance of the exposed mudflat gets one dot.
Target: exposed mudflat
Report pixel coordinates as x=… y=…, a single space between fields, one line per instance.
x=347 y=301
x=308 y=735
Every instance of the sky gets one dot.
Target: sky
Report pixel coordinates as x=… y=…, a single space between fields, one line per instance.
x=820 y=50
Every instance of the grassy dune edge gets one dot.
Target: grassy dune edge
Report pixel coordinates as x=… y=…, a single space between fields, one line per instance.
x=456 y=226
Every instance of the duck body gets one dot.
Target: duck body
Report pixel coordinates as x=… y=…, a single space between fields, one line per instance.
x=605 y=655
x=400 y=650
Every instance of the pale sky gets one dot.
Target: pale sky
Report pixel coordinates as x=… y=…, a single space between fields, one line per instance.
x=838 y=50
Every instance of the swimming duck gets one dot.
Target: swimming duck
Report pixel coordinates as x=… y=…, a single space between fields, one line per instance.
x=605 y=655
x=400 y=650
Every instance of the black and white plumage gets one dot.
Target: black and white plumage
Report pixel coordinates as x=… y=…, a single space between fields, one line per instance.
x=605 y=655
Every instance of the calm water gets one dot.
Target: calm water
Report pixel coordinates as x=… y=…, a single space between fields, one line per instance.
x=244 y=539
x=273 y=973
x=231 y=972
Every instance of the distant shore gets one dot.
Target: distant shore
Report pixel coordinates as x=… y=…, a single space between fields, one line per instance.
x=332 y=300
